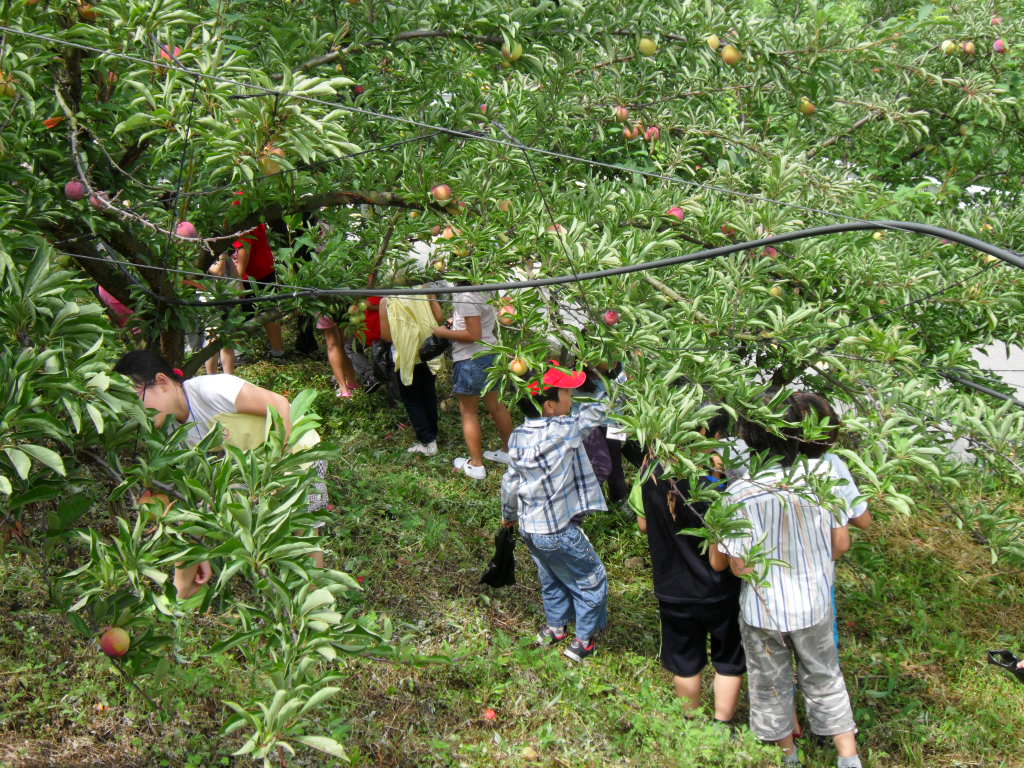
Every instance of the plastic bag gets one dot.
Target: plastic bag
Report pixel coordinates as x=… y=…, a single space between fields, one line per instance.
x=501 y=572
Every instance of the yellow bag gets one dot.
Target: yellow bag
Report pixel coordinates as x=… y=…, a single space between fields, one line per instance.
x=247 y=431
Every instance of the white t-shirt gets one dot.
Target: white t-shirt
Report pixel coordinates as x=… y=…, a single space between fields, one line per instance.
x=472 y=305
x=207 y=397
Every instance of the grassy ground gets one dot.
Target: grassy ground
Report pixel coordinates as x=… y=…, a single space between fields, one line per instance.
x=919 y=604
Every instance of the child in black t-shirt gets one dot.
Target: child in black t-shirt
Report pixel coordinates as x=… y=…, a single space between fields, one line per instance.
x=695 y=601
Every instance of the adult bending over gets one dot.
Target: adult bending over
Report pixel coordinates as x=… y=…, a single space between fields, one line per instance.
x=197 y=402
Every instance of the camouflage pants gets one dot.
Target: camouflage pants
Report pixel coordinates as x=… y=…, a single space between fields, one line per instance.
x=770 y=657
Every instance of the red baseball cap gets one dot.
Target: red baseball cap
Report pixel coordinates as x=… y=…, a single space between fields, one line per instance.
x=556 y=376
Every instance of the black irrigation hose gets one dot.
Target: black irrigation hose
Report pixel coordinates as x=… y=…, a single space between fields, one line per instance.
x=1010 y=257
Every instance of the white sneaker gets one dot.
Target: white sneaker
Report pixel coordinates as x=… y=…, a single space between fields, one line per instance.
x=499 y=457
x=462 y=464
x=427 y=449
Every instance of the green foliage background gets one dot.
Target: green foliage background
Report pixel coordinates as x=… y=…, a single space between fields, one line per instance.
x=901 y=131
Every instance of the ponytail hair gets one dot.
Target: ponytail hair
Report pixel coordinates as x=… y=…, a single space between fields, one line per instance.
x=143 y=365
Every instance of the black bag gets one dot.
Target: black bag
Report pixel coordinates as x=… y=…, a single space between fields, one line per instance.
x=501 y=572
x=433 y=346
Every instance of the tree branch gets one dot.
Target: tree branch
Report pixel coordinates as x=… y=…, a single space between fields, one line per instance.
x=832 y=140
x=413 y=34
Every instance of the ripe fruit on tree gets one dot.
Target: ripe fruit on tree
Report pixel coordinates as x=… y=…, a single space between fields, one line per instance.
x=621 y=114
x=631 y=133
x=115 y=642
x=807 y=107
x=677 y=212
x=948 y=47
x=167 y=54
x=518 y=366
x=728 y=230
x=731 y=55
x=713 y=42
x=186 y=229
x=86 y=12
x=504 y=206
x=990 y=259
x=6 y=85
x=610 y=317
x=512 y=52
x=969 y=48
x=442 y=193
x=647 y=46
x=99 y=200
x=506 y=314
x=449 y=232
x=74 y=190
x=269 y=160
x=771 y=252
x=556 y=229
x=997 y=20
x=653 y=133
x=776 y=290
x=999 y=46
x=439 y=265
x=878 y=235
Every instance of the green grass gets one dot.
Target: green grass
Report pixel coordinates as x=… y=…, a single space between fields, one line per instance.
x=919 y=601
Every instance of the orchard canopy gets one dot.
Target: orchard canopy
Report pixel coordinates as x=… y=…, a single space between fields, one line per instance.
x=665 y=128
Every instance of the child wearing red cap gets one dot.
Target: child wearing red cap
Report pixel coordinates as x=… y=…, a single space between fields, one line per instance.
x=548 y=489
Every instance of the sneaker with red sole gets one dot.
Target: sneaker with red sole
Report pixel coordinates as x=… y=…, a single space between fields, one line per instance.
x=550 y=636
x=578 y=650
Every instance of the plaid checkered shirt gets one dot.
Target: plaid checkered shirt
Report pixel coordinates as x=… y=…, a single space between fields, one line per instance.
x=549 y=481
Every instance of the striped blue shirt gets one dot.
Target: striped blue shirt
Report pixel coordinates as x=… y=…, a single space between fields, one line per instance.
x=549 y=481
x=791 y=528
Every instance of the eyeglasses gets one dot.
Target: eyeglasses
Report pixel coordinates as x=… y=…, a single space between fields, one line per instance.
x=140 y=390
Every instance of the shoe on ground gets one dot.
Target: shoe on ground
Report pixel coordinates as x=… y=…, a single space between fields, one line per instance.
x=578 y=650
x=462 y=465
x=345 y=395
x=427 y=449
x=551 y=635
x=498 y=457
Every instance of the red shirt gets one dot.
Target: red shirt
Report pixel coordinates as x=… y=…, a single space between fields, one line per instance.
x=372 y=319
x=261 y=258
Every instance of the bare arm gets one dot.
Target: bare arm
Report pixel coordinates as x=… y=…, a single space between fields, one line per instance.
x=242 y=262
x=862 y=521
x=718 y=560
x=840 y=541
x=473 y=332
x=258 y=401
x=385 y=326
x=435 y=307
x=641 y=523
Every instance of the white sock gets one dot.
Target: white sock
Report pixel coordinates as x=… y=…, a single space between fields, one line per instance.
x=849 y=762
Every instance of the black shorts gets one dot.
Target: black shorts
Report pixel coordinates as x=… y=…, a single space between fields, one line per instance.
x=252 y=308
x=685 y=628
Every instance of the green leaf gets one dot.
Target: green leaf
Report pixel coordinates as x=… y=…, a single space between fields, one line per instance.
x=324 y=744
x=46 y=456
x=22 y=463
x=5 y=485
x=96 y=416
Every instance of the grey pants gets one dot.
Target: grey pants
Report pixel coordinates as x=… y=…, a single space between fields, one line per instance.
x=770 y=678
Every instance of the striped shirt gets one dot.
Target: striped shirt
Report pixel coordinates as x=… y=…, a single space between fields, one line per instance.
x=549 y=481
x=794 y=529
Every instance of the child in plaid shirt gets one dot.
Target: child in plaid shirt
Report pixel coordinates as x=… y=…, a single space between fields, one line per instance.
x=548 y=488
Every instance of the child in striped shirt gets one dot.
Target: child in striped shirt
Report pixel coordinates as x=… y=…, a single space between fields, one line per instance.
x=786 y=611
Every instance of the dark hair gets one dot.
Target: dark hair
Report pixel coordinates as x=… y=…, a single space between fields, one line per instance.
x=532 y=406
x=719 y=423
x=810 y=404
x=791 y=442
x=142 y=366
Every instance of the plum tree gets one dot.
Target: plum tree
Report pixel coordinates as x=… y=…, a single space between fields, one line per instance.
x=871 y=322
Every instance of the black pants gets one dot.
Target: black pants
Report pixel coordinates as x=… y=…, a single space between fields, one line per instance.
x=420 y=401
x=617 y=490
